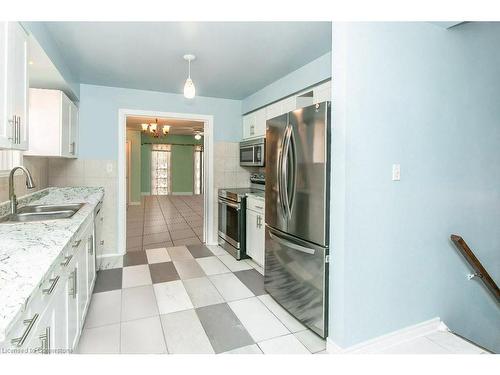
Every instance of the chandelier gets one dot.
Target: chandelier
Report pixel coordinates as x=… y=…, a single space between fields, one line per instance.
x=153 y=129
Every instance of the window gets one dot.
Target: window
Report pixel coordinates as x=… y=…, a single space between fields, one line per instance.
x=161 y=175
x=198 y=169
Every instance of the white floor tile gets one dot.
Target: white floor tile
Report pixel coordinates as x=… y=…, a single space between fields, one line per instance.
x=288 y=344
x=217 y=250
x=250 y=349
x=159 y=255
x=139 y=302
x=212 y=265
x=202 y=292
x=453 y=343
x=230 y=287
x=311 y=341
x=419 y=345
x=142 y=336
x=104 y=309
x=172 y=296
x=184 y=333
x=100 y=340
x=179 y=253
x=136 y=276
x=233 y=264
x=260 y=323
x=284 y=316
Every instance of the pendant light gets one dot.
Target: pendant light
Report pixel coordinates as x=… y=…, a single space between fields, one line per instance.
x=189 y=89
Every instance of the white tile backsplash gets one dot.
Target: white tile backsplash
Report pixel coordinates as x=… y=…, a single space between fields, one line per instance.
x=77 y=172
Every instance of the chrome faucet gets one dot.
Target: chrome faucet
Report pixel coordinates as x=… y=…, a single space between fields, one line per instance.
x=30 y=184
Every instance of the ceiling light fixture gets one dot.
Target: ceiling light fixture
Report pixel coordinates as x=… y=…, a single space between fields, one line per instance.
x=189 y=89
x=154 y=130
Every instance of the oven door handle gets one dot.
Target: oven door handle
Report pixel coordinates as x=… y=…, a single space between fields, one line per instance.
x=230 y=204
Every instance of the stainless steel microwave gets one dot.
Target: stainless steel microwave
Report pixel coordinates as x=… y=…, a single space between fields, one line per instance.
x=252 y=152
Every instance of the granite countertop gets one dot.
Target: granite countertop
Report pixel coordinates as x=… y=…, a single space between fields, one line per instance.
x=27 y=250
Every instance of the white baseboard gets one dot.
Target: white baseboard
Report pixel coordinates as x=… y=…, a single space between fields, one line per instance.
x=145 y=193
x=380 y=343
x=134 y=203
x=182 y=193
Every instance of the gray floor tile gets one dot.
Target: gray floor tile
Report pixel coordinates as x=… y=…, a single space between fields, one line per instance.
x=156 y=237
x=134 y=258
x=134 y=241
x=184 y=333
x=155 y=229
x=134 y=231
x=188 y=269
x=178 y=226
x=199 y=251
x=163 y=272
x=252 y=280
x=223 y=328
x=157 y=245
x=202 y=292
x=187 y=241
x=108 y=280
x=180 y=234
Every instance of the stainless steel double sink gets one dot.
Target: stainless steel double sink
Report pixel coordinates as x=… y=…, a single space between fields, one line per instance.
x=43 y=212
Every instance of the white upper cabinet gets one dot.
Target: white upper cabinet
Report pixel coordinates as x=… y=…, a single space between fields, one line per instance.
x=322 y=93
x=53 y=124
x=254 y=123
x=13 y=86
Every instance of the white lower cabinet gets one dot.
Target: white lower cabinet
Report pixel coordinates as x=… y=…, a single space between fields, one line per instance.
x=255 y=234
x=53 y=319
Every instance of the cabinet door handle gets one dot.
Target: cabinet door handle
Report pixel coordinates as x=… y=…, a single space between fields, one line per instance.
x=18 y=130
x=45 y=339
x=259 y=207
x=67 y=260
x=53 y=284
x=72 y=148
x=91 y=244
x=19 y=341
x=77 y=243
x=73 y=276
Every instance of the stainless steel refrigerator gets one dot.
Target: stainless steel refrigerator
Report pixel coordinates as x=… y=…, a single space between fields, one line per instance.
x=297 y=213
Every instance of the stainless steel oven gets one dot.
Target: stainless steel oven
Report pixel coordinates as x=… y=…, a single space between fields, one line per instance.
x=252 y=152
x=231 y=233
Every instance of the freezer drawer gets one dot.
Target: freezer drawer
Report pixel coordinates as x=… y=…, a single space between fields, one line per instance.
x=296 y=276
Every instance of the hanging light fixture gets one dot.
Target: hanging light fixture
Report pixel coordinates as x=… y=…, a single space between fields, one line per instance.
x=189 y=89
x=144 y=127
x=166 y=129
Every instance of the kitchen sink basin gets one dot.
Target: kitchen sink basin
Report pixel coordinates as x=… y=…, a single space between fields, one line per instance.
x=51 y=208
x=43 y=212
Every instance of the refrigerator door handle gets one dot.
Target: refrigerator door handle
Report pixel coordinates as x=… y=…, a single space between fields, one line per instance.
x=284 y=170
x=291 y=146
x=291 y=245
x=280 y=175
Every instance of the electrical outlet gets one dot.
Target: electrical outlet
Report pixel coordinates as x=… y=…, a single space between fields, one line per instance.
x=396 y=172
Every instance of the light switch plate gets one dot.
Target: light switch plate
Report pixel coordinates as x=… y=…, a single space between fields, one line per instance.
x=396 y=172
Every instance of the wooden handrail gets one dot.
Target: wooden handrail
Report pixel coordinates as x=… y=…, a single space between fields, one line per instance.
x=479 y=270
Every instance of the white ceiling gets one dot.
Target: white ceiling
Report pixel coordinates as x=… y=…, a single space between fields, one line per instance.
x=234 y=59
x=177 y=127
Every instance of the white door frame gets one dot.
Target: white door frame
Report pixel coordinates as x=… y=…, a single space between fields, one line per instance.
x=208 y=189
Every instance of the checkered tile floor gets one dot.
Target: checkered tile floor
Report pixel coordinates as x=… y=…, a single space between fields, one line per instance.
x=186 y=298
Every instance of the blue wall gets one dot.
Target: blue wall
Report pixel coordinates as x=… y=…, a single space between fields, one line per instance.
x=316 y=71
x=427 y=98
x=99 y=105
